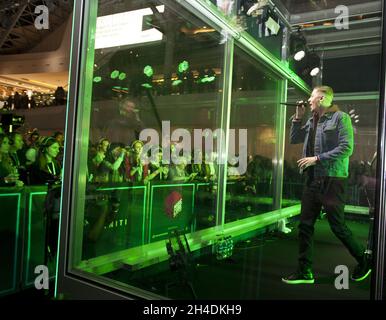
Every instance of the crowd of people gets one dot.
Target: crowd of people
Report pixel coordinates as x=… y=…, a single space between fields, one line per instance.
x=30 y=159
x=19 y=101
x=115 y=162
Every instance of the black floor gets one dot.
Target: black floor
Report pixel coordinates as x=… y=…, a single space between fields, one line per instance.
x=256 y=268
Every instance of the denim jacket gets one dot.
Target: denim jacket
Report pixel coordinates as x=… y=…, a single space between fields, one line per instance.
x=334 y=142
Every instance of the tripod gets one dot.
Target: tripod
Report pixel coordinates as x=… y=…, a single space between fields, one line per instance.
x=369 y=197
x=51 y=212
x=369 y=247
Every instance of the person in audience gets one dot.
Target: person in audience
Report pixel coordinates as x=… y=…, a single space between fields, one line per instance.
x=233 y=172
x=59 y=137
x=210 y=167
x=33 y=149
x=16 y=153
x=105 y=167
x=157 y=170
x=196 y=166
x=178 y=172
x=136 y=170
x=34 y=137
x=116 y=154
x=47 y=169
x=60 y=96
x=9 y=175
x=125 y=126
x=17 y=100
x=24 y=100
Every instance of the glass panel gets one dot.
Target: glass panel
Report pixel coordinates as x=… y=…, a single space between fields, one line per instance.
x=292 y=179
x=137 y=219
x=342 y=47
x=254 y=102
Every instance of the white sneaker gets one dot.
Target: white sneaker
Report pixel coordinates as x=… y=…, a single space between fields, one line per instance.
x=282 y=226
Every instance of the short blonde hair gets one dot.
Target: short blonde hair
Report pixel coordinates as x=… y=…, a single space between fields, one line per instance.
x=327 y=92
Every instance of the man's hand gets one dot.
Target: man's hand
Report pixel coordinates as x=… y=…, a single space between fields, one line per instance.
x=306 y=162
x=19 y=183
x=300 y=111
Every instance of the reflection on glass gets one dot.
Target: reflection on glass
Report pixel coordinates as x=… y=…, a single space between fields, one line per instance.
x=154 y=109
x=154 y=199
x=292 y=179
x=253 y=108
x=257 y=19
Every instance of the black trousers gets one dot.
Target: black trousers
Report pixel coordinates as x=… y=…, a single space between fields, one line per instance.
x=330 y=193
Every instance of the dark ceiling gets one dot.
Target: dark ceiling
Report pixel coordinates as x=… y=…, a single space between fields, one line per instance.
x=18 y=33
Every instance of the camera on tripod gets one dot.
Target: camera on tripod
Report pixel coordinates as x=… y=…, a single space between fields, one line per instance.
x=9 y=122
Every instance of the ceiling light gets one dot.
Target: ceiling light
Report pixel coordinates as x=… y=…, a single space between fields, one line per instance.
x=300 y=55
x=314 y=64
x=298 y=46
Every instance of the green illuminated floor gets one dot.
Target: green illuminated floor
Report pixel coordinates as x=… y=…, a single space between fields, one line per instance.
x=256 y=269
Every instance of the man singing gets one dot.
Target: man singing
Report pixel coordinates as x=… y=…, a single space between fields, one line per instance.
x=328 y=143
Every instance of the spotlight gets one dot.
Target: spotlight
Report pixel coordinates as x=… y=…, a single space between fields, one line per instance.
x=314 y=64
x=309 y=66
x=114 y=74
x=147 y=77
x=298 y=46
x=148 y=71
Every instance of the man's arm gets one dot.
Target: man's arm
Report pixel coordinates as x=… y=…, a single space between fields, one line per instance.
x=298 y=133
x=345 y=146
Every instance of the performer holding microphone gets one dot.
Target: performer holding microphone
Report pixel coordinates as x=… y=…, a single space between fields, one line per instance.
x=328 y=143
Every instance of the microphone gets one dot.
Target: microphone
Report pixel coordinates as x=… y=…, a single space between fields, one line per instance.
x=296 y=104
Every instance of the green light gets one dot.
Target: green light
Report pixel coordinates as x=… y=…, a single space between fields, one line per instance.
x=183 y=66
x=114 y=74
x=122 y=76
x=97 y=79
x=117 y=88
x=65 y=131
x=207 y=79
x=155 y=252
x=30 y=232
x=148 y=71
x=147 y=85
x=121 y=188
x=176 y=82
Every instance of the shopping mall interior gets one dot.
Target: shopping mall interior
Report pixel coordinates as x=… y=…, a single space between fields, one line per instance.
x=148 y=149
